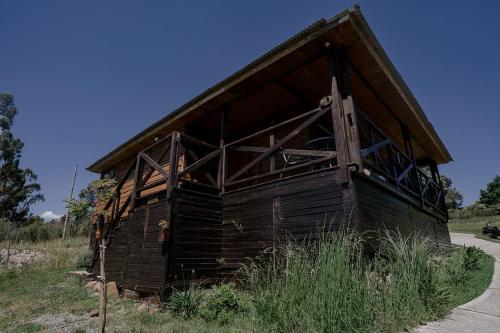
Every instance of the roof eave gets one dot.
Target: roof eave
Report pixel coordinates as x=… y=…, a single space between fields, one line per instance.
x=372 y=43
x=356 y=18
x=269 y=57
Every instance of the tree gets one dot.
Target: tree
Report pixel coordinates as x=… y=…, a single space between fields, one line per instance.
x=90 y=202
x=453 y=198
x=18 y=187
x=87 y=204
x=491 y=195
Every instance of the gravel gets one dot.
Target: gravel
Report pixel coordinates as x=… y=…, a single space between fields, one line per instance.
x=22 y=258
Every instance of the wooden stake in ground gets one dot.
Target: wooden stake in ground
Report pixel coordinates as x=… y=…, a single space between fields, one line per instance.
x=103 y=300
x=69 y=201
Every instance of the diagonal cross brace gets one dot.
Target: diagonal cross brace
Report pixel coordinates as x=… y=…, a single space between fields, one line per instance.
x=155 y=165
x=280 y=143
x=199 y=163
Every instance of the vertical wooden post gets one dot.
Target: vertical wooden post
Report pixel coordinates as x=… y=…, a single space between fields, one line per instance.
x=102 y=277
x=172 y=175
x=350 y=120
x=351 y=215
x=407 y=137
x=69 y=201
x=437 y=178
x=137 y=180
x=272 y=161
x=221 y=176
x=392 y=165
x=337 y=114
x=171 y=184
x=434 y=172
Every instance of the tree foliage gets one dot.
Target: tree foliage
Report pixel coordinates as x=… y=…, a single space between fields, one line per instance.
x=98 y=191
x=491 y=195
x=18 y=186
x=453 y=198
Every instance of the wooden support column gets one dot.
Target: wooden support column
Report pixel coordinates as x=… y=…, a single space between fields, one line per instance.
x=172 y=174
x=344 y=143
x=169 y=248
x=337 y=114
x=272 y=160
x=437 y=178
x=350 y=119
x=343 y=111
x=409 y=148
x=222 y=175
x=137 y=181
x=406 y=139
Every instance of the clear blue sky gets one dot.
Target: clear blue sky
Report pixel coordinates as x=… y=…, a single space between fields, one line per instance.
x=87 y=75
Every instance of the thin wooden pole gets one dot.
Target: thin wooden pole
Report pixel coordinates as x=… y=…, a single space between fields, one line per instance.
x=69 y=201
x=103 y=297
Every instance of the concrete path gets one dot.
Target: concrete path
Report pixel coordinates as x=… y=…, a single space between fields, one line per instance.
x=483 y=313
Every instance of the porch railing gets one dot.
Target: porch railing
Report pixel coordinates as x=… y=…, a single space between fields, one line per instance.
x=214 y=167
x=179 y=158
x=280 y=158
x=386 y=162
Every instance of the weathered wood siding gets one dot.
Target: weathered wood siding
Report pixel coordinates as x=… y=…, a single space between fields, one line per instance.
x=215 y=234
x=198 y=235
x=137 y=259
x=146 y=258
x=379 y=209
x=116 y=254
x=257 y=220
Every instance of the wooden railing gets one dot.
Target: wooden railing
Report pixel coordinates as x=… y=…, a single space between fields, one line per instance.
x=184 y=159
x=277 y=160
x=385 y=161
x=179 y=158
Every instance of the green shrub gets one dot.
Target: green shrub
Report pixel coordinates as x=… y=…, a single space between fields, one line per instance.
x=475 y=210
x=186 y=303
x=471 y=257
x=84 y=260
x=222 y=304
x=43 y=233
x=461 y=263
x=36 y=232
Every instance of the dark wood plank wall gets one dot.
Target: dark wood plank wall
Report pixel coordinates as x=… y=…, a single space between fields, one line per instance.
x=116 y=254
x=257 y=220
x=379 y=209
x=214 y=235
x=198 y=235
x=136 y=259
x=147 y=255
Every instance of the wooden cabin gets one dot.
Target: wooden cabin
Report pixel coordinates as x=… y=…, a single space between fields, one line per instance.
x=320 y=132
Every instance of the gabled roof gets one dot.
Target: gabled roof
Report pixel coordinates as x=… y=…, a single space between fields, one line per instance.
x=348 y=28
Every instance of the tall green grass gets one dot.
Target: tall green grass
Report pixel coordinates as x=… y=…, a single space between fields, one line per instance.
x=414 y=290
x=329 y=286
